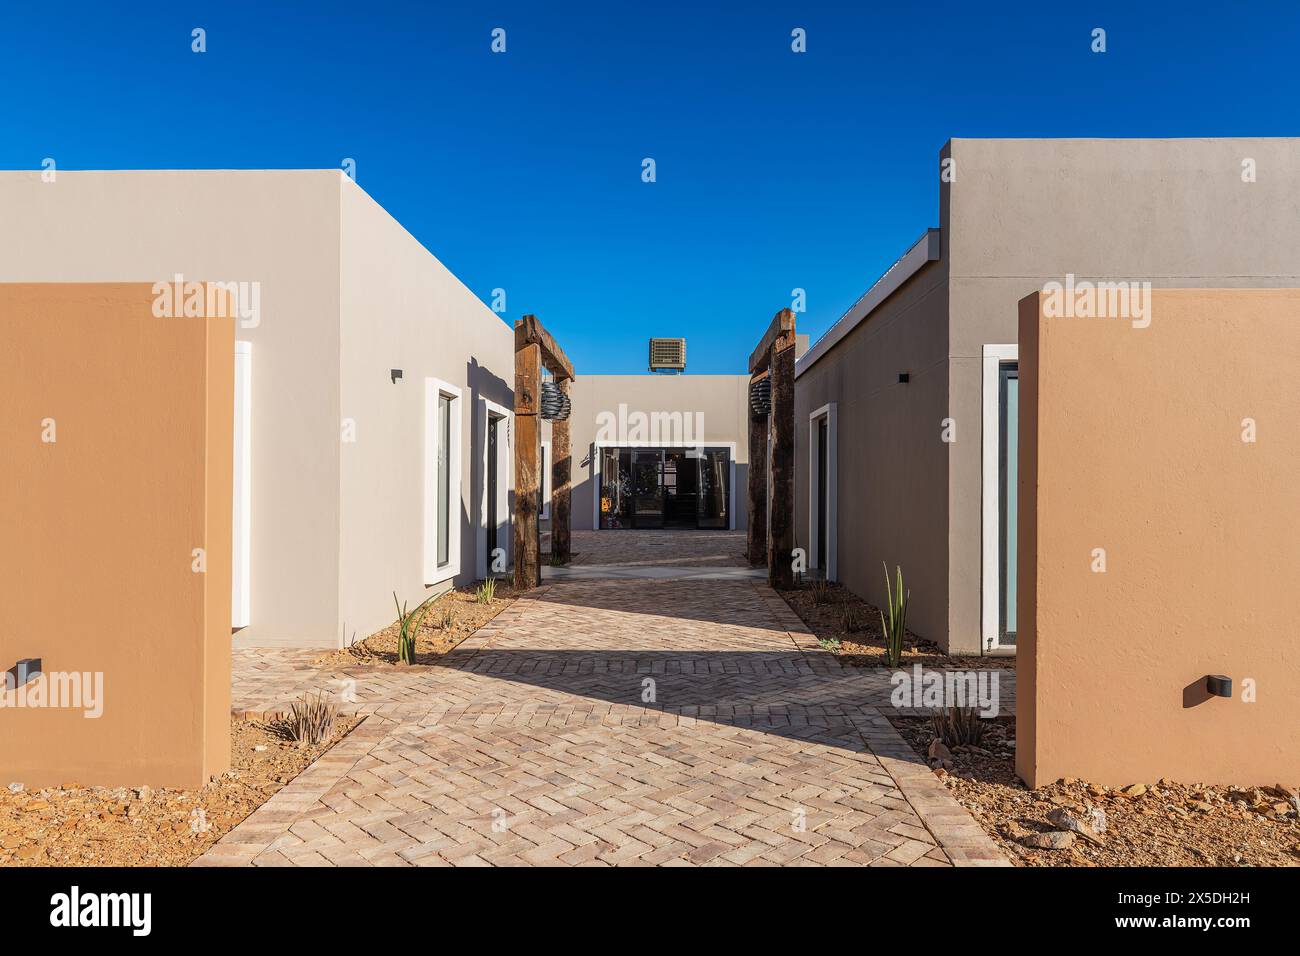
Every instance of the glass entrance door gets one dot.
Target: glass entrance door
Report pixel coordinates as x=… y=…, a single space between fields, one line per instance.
x=681 y=489
x=715 y=488
x=647 y=488
x=665 y=488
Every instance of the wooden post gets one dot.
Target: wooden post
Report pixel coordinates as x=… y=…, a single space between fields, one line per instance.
x=528 y=382
x=757 y=539
x=561 y=470
x=774 y=355
x=780 y=569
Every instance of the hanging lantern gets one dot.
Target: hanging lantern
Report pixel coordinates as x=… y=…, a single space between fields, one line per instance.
x=556 y=405
x=760 y=397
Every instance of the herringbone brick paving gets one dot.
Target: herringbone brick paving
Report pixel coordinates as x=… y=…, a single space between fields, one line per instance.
x=598 y=723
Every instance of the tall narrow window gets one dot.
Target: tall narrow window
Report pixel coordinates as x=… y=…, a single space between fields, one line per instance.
x=444 y=480
x=442 y=468
x=823 y=465
x=1008 y=469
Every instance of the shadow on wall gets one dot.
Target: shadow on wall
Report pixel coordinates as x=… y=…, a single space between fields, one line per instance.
x=481 y=382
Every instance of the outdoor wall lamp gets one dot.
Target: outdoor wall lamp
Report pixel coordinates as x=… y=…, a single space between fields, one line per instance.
x=28 y=669
x=904 y=378
x=394 y=374
x=1218 y=686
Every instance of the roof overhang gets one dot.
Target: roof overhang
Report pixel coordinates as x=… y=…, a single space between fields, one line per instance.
x=925 y=250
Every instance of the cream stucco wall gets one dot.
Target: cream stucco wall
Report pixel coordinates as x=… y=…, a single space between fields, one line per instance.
x=279 y=228
x=346 y=294
x=401 y=308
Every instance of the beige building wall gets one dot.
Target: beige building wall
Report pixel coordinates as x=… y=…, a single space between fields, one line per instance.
x=1131 y=441
x=402 y=308
x=117 y=448
x=723 y=400
x=279 y=228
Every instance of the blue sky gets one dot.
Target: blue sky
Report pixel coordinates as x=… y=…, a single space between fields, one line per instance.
x=522 y=170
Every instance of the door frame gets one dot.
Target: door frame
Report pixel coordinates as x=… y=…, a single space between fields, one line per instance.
x=597 y=446
x=991 y=505
x=505 y=479
x=830 y=413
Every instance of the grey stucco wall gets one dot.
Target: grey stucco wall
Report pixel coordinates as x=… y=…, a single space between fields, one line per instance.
x=892 y=476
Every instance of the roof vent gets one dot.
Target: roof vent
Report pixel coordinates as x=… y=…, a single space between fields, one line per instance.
x=667 y=355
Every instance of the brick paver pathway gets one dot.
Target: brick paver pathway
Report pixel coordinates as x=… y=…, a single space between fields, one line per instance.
x=606 y=722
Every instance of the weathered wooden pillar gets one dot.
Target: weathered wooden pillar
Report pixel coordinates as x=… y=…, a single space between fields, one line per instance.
x=561 y=470
x=774 y=357
x=780 y=570
x=528 y=382
x=757 y=538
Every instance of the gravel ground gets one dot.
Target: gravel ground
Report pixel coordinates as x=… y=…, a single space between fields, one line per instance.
x=1162 y=823
x=123 y=826
x=452 y=617
x=851 y=628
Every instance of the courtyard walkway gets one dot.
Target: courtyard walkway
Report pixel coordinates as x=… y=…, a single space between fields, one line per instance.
x=605 y=720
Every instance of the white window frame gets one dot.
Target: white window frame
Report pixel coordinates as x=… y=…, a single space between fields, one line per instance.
x=595 y=472
x=433 y=572
x=242 y=511
x=505 y=481
x=548 y=466
x=990 y=565
x=828 y=412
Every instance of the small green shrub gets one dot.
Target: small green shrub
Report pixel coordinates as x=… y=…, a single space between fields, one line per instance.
x=895 y=626
x=829 y=643
x=311 y=720
x=408 y=627
x=486 y=591
x=959 y=725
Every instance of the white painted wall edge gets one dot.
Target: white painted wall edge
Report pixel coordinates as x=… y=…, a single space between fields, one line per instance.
x=242 y=513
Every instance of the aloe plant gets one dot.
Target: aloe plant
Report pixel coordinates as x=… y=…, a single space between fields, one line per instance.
x=311 y=720
x=895 y=626
x=408 y=627
x=487 y=590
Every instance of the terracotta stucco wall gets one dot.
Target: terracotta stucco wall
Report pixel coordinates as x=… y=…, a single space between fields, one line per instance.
x=98 y=529
x=1131 y=441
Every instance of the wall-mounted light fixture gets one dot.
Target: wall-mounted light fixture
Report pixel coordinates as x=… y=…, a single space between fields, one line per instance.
x=1218 y=686
x=904 y=378
x=28 y=669
x=394 y=374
